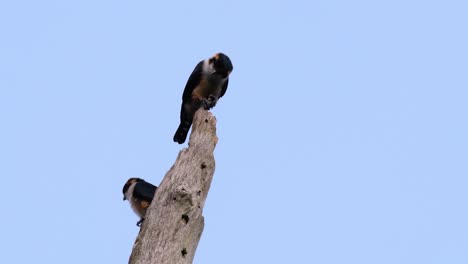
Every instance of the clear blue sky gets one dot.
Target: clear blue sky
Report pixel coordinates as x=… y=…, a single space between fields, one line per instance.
x=342 y=136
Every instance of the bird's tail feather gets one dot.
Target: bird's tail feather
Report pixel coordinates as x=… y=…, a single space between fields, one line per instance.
x=182 y=132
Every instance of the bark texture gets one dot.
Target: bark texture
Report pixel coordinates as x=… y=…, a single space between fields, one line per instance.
x=174 y=221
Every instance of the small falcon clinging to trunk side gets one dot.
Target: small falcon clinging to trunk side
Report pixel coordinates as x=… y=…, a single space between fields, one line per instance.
x=207 y=83
x=140 y=194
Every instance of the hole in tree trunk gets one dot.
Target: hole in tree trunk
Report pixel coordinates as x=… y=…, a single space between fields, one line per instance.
x=185 y=218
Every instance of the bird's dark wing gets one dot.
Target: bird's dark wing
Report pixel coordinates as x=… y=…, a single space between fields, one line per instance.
x=223 y=91
x=192 y=82
x=144 y=191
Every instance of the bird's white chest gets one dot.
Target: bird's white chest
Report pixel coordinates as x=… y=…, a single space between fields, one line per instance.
x=132 y=200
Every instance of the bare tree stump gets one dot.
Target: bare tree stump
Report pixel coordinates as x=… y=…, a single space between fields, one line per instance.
x=174 y=221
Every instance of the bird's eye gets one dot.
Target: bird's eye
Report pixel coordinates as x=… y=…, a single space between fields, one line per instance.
x=212 y=60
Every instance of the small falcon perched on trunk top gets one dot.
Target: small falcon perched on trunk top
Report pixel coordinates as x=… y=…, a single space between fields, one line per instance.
x=140 y=194
x=207 y=83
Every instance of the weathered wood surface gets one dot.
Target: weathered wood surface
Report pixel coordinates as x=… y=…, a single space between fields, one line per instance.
x=174 y=222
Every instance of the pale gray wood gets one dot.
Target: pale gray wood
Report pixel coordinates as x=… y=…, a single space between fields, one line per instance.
x=174 y=221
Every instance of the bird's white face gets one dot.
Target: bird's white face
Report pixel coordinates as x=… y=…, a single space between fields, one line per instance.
x=208 y=67
x=129 y=192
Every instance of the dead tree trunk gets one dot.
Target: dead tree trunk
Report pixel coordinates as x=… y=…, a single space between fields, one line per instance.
x=174 y=221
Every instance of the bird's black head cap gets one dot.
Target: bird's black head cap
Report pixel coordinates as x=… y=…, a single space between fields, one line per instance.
x=222 y=64
x=128 y=183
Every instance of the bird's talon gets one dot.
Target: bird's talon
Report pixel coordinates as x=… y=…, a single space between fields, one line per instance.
x=209 y=102
x=139 y=223
x=206 y=104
